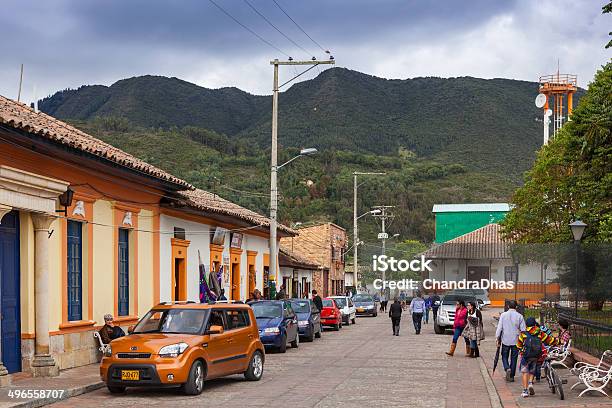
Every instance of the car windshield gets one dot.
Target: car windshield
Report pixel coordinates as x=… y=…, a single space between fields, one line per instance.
x=452 y=299
x=363 y=298
x=328 y=303
x=300 y=306
x=177 y=321
x=267 y=310
x=341 y=302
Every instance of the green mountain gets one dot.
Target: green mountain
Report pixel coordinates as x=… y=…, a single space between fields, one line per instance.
x=484 y=124
x=439 y=140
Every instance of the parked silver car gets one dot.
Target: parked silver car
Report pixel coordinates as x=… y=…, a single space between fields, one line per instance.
x=446 y=311
x=481 y=295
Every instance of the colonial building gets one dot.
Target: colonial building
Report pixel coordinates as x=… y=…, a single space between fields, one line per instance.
x=324 y=245
x=485 y=254
x=296 y=273
x=87 y=229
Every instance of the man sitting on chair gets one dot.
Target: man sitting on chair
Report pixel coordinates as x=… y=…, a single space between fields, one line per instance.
x=109 y=331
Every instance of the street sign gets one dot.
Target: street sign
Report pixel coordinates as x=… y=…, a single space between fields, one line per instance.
x=383 y=235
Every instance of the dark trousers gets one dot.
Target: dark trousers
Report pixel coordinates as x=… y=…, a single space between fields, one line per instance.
x=435 y=313
x=383 y=306
x=509 y=355
x=417 y=319
x=395 y=322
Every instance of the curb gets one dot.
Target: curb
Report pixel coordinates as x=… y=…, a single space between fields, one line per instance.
x=491 y=390
x=70 y=392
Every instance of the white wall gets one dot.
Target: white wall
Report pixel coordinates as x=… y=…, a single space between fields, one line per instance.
x=454 y=269
x=199 y=236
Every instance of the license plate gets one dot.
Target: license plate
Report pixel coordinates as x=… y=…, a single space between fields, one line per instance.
x=130 y=375
x=360 y=309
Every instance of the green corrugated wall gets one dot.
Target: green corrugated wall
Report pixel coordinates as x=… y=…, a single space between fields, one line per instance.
x=450 y=225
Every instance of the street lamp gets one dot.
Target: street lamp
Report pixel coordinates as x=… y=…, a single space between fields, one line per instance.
x=373 y=212
x=577 y=228
x=274 y=202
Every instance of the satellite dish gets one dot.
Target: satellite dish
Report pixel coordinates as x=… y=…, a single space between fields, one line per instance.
x=540 y=100
x=548 y=112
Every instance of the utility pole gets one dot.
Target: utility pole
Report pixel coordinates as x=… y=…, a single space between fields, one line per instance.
x=355 y=229
x=385 y=213
x=274 y=151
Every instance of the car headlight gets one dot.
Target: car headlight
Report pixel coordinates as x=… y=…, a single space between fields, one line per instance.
x=173 y=350
x=272 y=330
x=369 y=307
x=303 y=323
x=108 y=351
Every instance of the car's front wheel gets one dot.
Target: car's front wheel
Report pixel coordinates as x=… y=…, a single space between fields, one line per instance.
x=116 y=389
x=318 y=334
x=283 y=344
x=195 y=381
x=311 y=336
x=255 y=370
x=438 y=329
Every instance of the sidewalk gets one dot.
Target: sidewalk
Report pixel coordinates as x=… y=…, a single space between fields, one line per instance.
x=73 y=382
x=509 y=393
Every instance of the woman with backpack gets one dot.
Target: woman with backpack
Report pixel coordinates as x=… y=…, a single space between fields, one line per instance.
x=474 y=330
x=458 y=326
x=530 y=344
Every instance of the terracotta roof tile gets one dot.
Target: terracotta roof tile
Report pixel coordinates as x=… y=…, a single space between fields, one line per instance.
x=484 y=243
x=290 y=258
x=22 y=117
x=209 y=202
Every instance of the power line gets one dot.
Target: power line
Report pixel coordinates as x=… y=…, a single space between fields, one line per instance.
x=249 y=30
x=301 y=29
x=277 y=29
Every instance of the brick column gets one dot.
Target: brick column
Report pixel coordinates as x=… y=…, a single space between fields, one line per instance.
x=43 y=364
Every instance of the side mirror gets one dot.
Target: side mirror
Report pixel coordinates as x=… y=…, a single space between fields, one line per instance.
x=214 y=329
x=130 y=329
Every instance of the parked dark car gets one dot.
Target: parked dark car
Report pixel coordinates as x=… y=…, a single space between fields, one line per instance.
x=309 y=318
x=277 y=323
x=365 y=305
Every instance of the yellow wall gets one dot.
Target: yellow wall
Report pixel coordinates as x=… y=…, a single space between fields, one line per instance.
x=103 y=261
x=145 y=261
x=56 y=291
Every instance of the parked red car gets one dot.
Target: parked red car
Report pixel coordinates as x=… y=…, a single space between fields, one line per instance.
x=331 y=315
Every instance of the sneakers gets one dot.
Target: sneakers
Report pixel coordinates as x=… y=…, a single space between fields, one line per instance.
x=525 y=394
x=531 y=390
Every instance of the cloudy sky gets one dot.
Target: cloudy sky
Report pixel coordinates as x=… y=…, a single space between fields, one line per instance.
x=68 y=43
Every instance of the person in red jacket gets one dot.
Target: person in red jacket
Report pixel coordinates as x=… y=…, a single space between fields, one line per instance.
x=458 y=326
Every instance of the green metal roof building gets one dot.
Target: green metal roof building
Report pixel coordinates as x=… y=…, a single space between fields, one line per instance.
x=454 y=220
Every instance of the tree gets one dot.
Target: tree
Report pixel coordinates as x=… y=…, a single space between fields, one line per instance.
x=608 y=9
x=572 y=179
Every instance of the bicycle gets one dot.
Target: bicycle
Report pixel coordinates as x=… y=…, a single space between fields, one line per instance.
x=554 y=382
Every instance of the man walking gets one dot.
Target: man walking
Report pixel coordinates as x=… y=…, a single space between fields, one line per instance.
x=316 y=299
x=395 y=313
x=383 y=302
x=511 y=324
x=417 y=308
x=435 y=305
x=427 y=309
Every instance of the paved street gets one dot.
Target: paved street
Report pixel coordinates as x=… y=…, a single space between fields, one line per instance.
x=362 y=365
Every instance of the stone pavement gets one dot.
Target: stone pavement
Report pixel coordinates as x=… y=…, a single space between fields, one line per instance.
x=509 y=393
x=359 y=366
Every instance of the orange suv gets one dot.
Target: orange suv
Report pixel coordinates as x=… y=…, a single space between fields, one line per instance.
x=184 y=343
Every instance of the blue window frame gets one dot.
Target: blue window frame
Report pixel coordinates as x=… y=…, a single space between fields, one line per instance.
x=123 y=306
x=75 y=270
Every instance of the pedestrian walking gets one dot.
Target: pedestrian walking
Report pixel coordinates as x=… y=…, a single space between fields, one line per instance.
x=458 y=325
x=417 y=308
x=435 y=305
x=316 y=299
x=530 y=342
x=281 y=293
x=428 y=303
x=474 y=330
x=383 y=302
x=511 y=324
x=395 y=313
